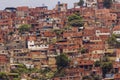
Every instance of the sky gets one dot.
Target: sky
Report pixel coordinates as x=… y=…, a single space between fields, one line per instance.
x=34 y=3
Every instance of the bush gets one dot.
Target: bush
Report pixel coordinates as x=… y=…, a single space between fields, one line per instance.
x=62 y=61
x=23 y=28
x=75 y=20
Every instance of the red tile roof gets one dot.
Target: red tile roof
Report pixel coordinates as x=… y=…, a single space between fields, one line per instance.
x=116 y=28
x=32 y=38
x=117 y=76
x=49 y=34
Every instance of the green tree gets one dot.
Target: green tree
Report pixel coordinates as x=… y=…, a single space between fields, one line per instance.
x=60 y=73
x=112 y=41
x=46 y=70
x=81 y=2
x=106 y=67
x=58 y=31
x=23 y=28
x=3 y=76
x=86 y=78
x=105 y=64
x=62 y=61
x=75 y=20
x=97 y=77
x=11 y=33
x=20 y=69
x=97 y=64
x=83 y=50
x=74 y=17
x=107 y=3
x=76 y=23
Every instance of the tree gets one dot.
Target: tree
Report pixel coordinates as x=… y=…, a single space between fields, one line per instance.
x=105 y=64
x=112 y=41
x=86 y=78
x=3 y=76
x=81 y=2
x=21 y=68
x=62 y=61
x=75 y=20
x=11 y=33
x=74 y=17
x=97 y=77
x=106 y=67
x=107 y=3
x=83 y=50
x=97 y=64
x=58 y=32
x=23 y=28
x=76 y=23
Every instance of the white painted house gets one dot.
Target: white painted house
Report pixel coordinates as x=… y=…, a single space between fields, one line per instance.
x=33 y=46
x=102 y=31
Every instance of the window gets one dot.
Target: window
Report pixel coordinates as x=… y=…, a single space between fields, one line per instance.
x=97 y=31
x=17 y=41
x=2 y=51
x=31 y=45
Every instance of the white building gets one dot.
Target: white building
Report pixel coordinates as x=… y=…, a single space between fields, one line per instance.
x=102 y=32
x=33 y=46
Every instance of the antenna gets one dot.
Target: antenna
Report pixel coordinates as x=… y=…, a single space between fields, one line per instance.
x=58 y=2
x=58 y=6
